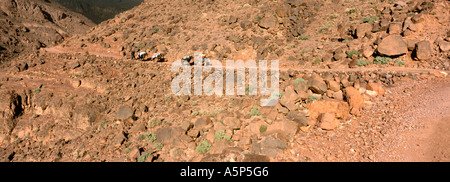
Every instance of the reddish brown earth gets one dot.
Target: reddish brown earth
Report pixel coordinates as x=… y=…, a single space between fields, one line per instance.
x=28 y=25
x=421 y=125
x=82 y=101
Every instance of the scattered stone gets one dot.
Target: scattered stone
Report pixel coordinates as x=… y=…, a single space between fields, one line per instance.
x=168 y=135
x=418 y=18
x=245 y=24
x=362 y=29
x=423 y=50
x=328 y=121
x=371 y=93
x=200 y=123
x=11 y=108
x=76 y=83
x=367 y=51
x=409 y=25
x=124 y=112
x=392 y=45
x=186 y=125
x=300 y=86
x=220 y=146
x=232 y=122
x=74 y=65
x=287 y=126
x=438 y=73
x=395 y=28
x=268 y=22
x=270 y=145
x=444 y=46
x=411 y=44
x=338 y=95
x=255 y=158
x=334 y=86
x=118 y=139
x=302 y=95
x=354 y=99
x=194 y=133
x=298 y=117
x=338 y=107
x=83 y=117
x=317 y=85
x=378 y=88
x=400 y=4
x=289 y=98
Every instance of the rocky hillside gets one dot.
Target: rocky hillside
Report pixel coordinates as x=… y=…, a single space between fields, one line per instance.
x=327 y=34
x=347 y=69
x=99 y=10
x=27 y=25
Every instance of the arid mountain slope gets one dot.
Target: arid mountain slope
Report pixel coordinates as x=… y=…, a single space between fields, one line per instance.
x=99 y=10
x=27 y=25
x=300 y=33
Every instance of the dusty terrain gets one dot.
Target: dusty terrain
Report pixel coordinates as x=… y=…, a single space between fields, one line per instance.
x=360 y=81
x=99 y=10
x=28 y=25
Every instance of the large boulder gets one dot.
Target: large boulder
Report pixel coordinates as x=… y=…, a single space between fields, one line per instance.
x=124 y=112
x=354 y=99
x=423 y=50
x=392 y=45
x=362 y=29
x=317 y=85
x=338 y=107
x=10 y=108
x=298 y=117
x=289 y=98
x=328 y=121
x=376 y=87
x=268 y=22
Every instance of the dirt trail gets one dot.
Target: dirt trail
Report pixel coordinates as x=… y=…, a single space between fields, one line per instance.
x=423 y=129
x=57 y=50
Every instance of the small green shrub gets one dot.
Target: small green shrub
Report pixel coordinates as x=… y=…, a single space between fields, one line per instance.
x=127 y=150
x=89 y=101
x=140 y=45
x=258 y=18
x=262 y=129
x=221 y=135
x=298 y=81
x=303 y=37
x=370 y=19
x=158 y=146
x=36 y=91
x=279 y=95
x=203 y=147
x=148 y=137
x=194 y=103
x=313 y=98
x=382 y=60
x=154 y=122
x=254 y=111
x=362 y=62
x=195 y=113
x=317 y=61
x=352 y=52
x=156 y=30
x=333 y=16
x=103 y=123
x=399 y=62
x=144 y=157
x=351 y=10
